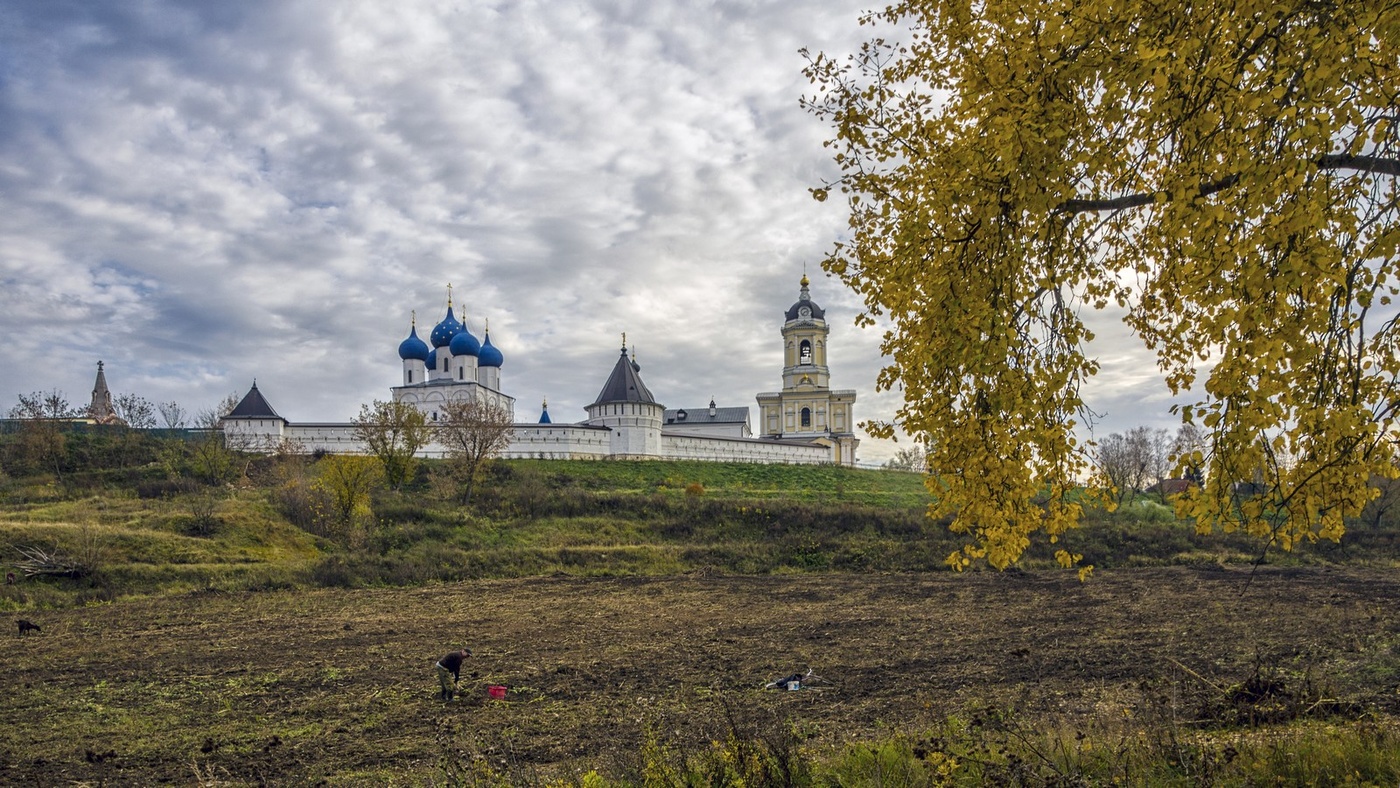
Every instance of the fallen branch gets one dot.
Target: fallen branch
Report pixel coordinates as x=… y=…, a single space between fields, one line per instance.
x=40 y=563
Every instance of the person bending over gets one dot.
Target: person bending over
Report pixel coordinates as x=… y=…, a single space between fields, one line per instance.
x=451 y=665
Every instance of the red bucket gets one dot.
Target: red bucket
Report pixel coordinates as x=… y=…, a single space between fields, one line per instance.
x=496 y=691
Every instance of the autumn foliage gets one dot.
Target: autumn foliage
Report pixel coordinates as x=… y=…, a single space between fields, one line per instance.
x=1224 y=171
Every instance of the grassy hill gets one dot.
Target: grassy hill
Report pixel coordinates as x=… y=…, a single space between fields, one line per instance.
x=151 y=526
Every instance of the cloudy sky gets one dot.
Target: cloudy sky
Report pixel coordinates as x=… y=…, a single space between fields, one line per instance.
x=203 y=194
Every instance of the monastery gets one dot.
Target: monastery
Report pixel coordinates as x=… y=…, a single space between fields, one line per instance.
x=806 y=422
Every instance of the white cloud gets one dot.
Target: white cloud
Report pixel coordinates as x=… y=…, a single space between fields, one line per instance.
x=201 y=194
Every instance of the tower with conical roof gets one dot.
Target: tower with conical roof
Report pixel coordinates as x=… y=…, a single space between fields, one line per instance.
x=101 y=410
x=253 y=425
x=807 y=408
x=626 y=407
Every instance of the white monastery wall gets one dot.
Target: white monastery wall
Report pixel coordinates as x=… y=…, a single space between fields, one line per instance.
x=559 y=442
x=694 y=447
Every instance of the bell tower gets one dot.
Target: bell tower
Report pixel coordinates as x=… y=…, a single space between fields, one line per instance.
x=804 y=344
x=807 y=408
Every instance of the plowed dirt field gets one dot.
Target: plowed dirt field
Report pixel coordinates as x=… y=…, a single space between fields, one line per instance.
x=337 y=687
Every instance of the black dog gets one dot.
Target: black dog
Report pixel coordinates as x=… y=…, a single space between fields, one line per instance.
x=25 y=626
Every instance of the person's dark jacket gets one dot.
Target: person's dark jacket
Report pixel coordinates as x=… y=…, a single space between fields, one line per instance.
x=453 y=662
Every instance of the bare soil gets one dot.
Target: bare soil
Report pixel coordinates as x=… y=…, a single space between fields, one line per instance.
x=338 y=688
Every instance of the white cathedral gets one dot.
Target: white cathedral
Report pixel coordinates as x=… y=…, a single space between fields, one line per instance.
x=807 y=422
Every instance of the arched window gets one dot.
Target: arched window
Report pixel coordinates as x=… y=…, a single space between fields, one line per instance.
x=806 y=353
x=806 y=417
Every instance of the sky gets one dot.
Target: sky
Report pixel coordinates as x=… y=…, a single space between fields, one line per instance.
x=206 y=194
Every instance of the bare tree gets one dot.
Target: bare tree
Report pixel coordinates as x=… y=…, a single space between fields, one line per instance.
x=393 y=431
x=914 y=459
x=1133 y=461
x=138 y=412
x=208 y=418
x=44 y=406
x=473 y=433
x=43 y=416
x=210 y=459
x=133 y=413
x=1158 y=446
x=174 y=416
x=1380 y=511
x=1188 y=453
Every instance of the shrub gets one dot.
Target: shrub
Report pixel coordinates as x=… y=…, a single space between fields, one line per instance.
x=165 y=488
x=399 y=509
x=296 y=501
x=334 y=572
x=202 y=521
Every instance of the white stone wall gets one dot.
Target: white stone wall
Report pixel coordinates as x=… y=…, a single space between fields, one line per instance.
x=560 y=442
x=546 y=441
x=253 y=434
x=333 y=438
x=676 y=446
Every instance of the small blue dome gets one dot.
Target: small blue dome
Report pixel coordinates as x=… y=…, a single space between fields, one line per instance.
x=431 y=361
x=444 y=332
x=489 y=356
x=413 y=347
x=544 y=415
x=464 y=344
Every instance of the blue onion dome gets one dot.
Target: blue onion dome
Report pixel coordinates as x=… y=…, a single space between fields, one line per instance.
x=464 y=344
x=413 y=347
x=444 y=332
x=544 y=413
x=489 y=355
x=431 y=361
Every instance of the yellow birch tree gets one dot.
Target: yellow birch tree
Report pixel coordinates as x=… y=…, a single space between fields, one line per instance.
x=1224 y=170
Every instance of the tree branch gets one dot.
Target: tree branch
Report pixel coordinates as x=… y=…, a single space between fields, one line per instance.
x=1376 y=165
x=1333 y=161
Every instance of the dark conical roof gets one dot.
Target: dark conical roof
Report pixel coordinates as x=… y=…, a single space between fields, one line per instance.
x=253 y=406
x=624 y=384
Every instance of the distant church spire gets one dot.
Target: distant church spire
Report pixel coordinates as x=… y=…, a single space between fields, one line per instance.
x=101 y=410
